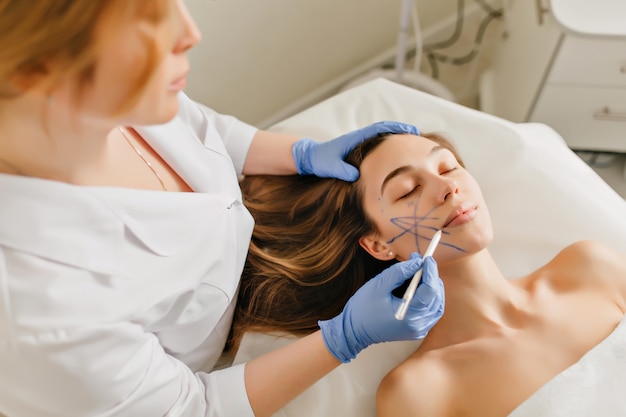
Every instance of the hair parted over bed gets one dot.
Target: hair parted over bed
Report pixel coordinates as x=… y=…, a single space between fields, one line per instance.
x=305 y=260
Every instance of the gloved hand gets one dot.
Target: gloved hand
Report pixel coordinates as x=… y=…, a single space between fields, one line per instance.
x=368 y=316
x=326 y=159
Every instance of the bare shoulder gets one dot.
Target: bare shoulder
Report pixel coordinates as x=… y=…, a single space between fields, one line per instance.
x=589 y=254
x=417 y=387
x=590 y=262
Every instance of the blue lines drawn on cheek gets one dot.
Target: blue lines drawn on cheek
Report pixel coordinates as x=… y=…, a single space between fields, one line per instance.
x=450 y=245
x=413 y=226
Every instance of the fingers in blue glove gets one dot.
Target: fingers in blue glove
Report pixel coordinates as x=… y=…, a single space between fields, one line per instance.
x=326 y=159
x=376 y=129
x=350 y=173
x=388 y=126
x=346 y=172
x=368 y=316
x=397 y=274
x=428 y=287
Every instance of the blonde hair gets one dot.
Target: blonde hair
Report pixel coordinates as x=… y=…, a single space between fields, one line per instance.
x=305 y=260
x=35 y=33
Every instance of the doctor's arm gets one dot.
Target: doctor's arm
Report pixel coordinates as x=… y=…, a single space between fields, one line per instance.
x=270 y=153
x=257 y=152
x=119 y=370
x=274 y=379
x=116 y=368
x=280 y=154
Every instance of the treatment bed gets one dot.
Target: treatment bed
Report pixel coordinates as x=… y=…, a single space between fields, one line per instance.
x=541 y=197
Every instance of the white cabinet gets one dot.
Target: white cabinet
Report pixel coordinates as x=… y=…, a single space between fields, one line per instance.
x=545 y=70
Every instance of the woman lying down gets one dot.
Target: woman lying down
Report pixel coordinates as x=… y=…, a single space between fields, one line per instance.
x=499 y=340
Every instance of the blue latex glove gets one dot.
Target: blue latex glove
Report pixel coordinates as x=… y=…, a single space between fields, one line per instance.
x=368 y=316
x=326 y=159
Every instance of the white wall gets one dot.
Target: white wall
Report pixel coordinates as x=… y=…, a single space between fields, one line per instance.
x=258 y=56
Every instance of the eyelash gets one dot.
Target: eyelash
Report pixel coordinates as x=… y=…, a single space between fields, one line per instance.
x=447 y=171
x=410 y=192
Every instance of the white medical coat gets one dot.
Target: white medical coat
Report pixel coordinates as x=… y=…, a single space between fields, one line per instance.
x=113 y=301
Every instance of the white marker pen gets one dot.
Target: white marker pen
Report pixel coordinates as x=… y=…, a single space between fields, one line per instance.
x=410 y=291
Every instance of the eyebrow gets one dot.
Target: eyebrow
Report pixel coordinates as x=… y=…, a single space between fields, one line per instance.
x=405 y=168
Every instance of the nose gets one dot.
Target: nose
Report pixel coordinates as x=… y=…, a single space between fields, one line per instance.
x=189 y=33
x=448 y=188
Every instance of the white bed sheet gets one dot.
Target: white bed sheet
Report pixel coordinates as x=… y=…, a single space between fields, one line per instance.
x=541 y=197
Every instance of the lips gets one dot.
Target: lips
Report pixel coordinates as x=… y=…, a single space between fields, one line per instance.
x=461 y=214
x=180 y=82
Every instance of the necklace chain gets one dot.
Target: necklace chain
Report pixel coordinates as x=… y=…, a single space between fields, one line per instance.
x=143 y=158
x=137 y=151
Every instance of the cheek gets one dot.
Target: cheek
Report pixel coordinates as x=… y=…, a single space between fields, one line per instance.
x=405 y=230
x=110 y=86
x=383 y=217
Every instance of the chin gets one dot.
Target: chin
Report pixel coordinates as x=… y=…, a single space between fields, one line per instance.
x=161 y=115
x=482 y=238
x=448 y=256
x=169 y=107
x=483 y=241
x=169 y=116
x=474 y=240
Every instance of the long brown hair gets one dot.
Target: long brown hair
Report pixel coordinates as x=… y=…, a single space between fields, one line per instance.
x=34 y=33
x=305 y=260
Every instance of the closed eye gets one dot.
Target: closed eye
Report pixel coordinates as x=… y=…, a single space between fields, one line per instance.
x=413 y=190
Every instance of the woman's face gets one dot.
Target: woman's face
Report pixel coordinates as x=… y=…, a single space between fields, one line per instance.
x=123 y=50
x=413 y=187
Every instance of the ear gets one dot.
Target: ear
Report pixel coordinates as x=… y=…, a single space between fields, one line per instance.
x=375 y=247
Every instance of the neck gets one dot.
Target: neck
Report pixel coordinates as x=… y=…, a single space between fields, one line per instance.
x=479 y=299
x=41 y=139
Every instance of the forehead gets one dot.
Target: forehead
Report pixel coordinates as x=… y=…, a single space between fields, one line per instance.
x=397 y=150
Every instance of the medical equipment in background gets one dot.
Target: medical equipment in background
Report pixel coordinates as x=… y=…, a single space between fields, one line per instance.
x=563 y=63
x=411 y=78
x=433 y=53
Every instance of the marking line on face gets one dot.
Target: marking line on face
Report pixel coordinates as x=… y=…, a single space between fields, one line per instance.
x=412 y=224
